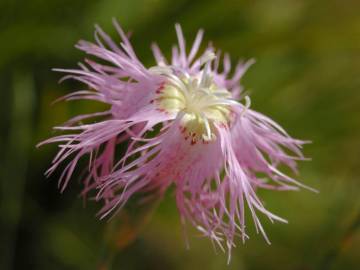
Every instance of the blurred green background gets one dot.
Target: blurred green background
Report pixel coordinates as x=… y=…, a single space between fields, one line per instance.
x=306 y=78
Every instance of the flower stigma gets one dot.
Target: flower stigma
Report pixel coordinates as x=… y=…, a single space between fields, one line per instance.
x=197 y=100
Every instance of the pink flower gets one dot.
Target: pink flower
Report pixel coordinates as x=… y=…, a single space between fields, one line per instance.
x=185 y=127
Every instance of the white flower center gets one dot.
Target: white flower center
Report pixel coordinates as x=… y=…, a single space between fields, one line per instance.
x=199 y=102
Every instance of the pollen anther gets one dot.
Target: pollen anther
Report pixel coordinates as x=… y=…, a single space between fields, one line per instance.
x=198 y=100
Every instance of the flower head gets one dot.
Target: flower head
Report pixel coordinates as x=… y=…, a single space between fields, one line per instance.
x=187 y=124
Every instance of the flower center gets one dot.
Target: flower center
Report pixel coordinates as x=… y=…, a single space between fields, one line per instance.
x=199 y=102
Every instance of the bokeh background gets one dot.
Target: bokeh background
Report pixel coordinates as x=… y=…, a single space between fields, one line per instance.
x=307 y=77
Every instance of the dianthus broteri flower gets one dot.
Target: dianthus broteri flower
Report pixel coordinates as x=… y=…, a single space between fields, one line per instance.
x=187 y=123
